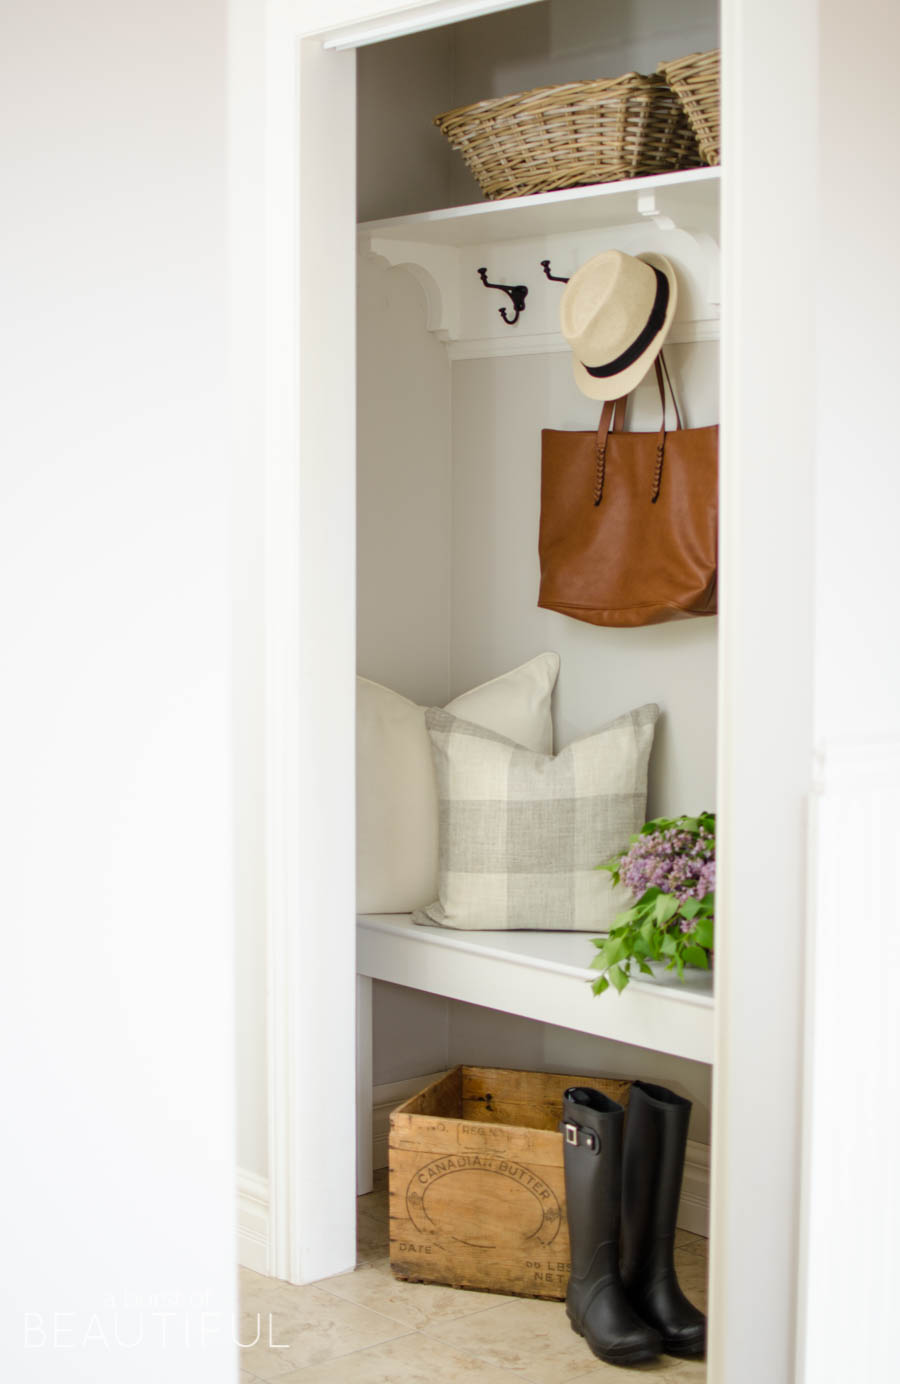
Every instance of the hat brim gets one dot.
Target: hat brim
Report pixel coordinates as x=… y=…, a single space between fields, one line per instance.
x=615 y=386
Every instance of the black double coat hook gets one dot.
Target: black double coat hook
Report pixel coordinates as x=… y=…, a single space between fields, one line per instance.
x=517 y=294
x=556 y=278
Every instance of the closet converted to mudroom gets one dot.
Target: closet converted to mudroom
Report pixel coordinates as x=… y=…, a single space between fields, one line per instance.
x=453 y=395
x=420 y=352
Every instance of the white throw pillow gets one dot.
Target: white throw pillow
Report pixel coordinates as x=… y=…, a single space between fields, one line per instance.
x=396 y=792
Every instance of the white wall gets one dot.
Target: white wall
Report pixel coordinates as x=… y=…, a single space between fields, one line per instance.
x=576 y=40
x=390 y=127
x=499 y=408
x=408 y=164
x=858 y=490
x=412 y=1032
x=417 y=1034
x=403 y=569
x=416 y=570
x=403 y=490
x=488 y=1038
x=444 y=604
x=766 y=645
x=246 y=21
x=116 y=984
x=851 y=1256
x=401 y=87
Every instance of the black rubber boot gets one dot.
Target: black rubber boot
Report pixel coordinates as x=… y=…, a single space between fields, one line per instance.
x=655 y=1141
x=595 y=1301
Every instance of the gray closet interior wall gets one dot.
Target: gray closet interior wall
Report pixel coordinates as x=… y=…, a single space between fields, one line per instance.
x=449 y=475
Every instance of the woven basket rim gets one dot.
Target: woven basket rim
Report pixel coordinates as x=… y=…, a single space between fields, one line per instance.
x=689 y=60
x=589 y=87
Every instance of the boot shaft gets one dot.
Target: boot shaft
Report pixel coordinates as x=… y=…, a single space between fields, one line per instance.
x=596 y=1304
x=592 y=1128
x=653 y=1165
x=654 y=1148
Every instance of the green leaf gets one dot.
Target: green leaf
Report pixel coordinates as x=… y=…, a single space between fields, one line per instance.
x=607 y=954
x=702 y=935
x=696 y=956
x=616 y=950
x=690 y=908
x=645 y=969
x=600 y=985
x=666 y=908
x=669 y=945
x=619 y=977
x=629 y=916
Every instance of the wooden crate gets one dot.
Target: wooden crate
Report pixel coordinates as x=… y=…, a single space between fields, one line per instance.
x=477 y=1193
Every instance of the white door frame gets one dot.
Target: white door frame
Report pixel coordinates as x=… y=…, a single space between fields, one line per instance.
x=765 y=751
x=310 y=616
x=765 y=747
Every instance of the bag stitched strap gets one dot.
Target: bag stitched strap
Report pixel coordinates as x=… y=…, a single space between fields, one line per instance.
x=612 y=419
x=662 y=361
x=662 y=368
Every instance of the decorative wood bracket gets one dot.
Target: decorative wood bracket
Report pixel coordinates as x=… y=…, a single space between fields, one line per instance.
x=679 y=225
x=435 y=268
x=663 y=212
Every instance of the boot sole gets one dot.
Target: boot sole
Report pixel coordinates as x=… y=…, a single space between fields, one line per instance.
x=637 y=1355
x=684 y=1352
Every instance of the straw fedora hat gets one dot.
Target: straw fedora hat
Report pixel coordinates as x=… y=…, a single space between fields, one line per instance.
x=615 y=313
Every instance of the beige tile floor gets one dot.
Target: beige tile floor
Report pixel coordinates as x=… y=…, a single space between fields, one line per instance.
x=366 y=1327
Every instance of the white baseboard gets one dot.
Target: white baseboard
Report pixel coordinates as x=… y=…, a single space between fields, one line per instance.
x=253 y=1221
x=693 y=1209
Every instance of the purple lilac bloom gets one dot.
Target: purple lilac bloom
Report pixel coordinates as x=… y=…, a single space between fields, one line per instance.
x=676 y=862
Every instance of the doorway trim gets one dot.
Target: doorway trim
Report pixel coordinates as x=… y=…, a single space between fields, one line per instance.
x=765 y=751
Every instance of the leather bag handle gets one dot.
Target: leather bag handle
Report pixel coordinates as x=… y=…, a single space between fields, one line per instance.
x=612 y=419
x=662 y=369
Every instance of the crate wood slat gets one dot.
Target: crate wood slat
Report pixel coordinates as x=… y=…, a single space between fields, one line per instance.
x=529 y=1099
x=477 y=1188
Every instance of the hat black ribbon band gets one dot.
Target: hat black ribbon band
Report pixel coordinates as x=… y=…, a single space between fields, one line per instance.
x=643 y=339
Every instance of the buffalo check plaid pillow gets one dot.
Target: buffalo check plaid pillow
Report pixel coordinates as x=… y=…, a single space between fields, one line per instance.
x=521 y=833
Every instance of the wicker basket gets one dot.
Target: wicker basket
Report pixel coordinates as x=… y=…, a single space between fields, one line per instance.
x=695 y=80
x=565 y=136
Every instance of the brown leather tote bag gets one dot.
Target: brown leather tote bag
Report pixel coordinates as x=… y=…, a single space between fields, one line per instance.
x=629 y=520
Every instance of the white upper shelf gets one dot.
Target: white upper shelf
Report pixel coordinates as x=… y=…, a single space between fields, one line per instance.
x=689 y=198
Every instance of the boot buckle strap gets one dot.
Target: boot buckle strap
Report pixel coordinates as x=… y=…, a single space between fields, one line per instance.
x=576 y=1135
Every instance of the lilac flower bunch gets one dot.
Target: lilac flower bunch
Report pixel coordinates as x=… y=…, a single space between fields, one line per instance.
x=669 y=867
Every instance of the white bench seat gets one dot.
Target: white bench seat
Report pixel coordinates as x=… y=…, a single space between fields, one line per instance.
x=538 y=975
